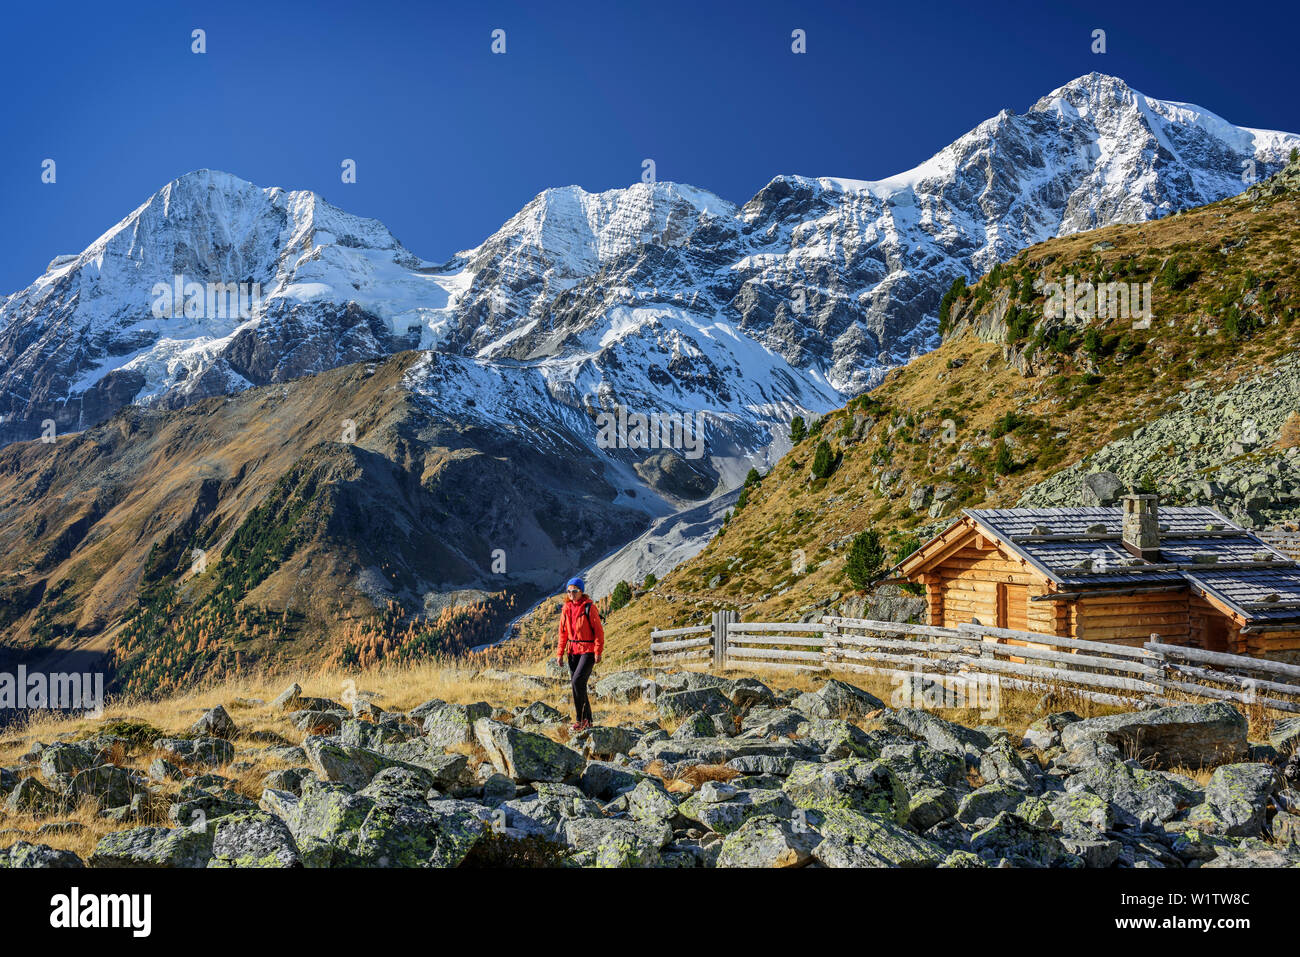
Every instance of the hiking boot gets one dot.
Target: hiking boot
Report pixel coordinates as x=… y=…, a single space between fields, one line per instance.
x=576 y=726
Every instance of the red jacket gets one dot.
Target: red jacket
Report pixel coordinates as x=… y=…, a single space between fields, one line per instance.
x=580 y=628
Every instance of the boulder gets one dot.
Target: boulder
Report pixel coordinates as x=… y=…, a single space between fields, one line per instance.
x=1137 y=796
x=207 y=752
x=352 y=767
x=679 y=704
x=214 y=723
x=1019 y=842
x=850 y=839
x=988 y=801
x=723 y=812
x=451 y=724
x=154 y=847
x=837 y=699
x=767 y=841
x=603 y=780
x=61 y=762
x=605 y=842
x=107 y=785
x=836 y=738
x=1236 y=799
x=22 y=854
x=856 y=784
x=33 y=797
x=1186 y=735
x=1045 y=732
x=253 y=839
x=525 y=756
x=939 y=734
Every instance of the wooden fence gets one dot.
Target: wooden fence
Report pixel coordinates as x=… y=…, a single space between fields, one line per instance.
x=961 y=658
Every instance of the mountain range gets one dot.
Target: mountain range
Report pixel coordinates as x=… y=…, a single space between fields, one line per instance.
x=396 y=401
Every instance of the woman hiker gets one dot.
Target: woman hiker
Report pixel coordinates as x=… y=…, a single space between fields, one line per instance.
x=582 y=636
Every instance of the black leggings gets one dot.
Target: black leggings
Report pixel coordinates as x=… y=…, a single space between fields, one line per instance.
x=579 y=671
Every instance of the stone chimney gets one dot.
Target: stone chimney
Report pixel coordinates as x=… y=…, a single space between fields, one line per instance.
x=1141 y=529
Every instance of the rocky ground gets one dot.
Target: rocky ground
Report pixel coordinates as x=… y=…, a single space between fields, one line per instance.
x=750 y=776
x=1216 y=449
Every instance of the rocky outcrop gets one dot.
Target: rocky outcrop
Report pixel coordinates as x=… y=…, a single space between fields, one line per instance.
x=828 y=778
x=1215 y=448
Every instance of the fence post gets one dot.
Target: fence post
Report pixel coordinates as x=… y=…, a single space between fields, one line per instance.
x=720 y=621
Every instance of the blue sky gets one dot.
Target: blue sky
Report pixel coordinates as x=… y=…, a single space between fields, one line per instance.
x=450 y=140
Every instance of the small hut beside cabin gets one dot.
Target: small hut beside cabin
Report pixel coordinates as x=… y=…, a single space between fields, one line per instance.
x=1186 y=574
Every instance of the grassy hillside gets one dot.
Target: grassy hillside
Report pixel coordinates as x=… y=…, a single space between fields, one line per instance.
x=1009 y=398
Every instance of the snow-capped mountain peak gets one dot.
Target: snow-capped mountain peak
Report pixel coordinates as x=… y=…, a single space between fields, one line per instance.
x=660 y=293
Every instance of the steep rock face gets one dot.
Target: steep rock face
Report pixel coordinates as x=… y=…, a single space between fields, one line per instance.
x=660 y=296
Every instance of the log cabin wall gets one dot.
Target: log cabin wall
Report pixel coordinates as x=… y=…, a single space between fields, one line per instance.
x=1133 y=619
x=968 y=581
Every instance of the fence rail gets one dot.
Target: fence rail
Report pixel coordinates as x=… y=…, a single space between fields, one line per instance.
x=955 y=657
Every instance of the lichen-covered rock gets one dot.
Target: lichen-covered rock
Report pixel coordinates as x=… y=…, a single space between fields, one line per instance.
x=837 y=699
x=207 y=752
x=1256 y=854
x=1080 y=813
x=921 y=766
x=253 y=839
x=602 y=780
x=107 y=785
x=33 y=797
x=944 y=736
x=928 y=807
x=723 y=813
x=850 y=839
x=695 y=725
x=988 y=801
x=616 y=843
x=1236 y=799
x=767 y=841
x=355 y=733
x=1138 y=796
x=604 y=741
x=214 y=723
x=353 y=767
x=61 y=762
x=451 y=724
x=679 y=704
x=763 y=721
x=1285 y=735
x=154 y=847
x=621 y=686
x=650 y=803
x=856 y=784
x=1045 y=732
x=836 y=738
x=1019 y=842
x=22 y=854
x=525 y=756
x=1185 y=735
x=1000 y=762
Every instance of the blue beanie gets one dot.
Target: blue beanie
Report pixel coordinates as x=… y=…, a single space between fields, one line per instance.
x=576 y=581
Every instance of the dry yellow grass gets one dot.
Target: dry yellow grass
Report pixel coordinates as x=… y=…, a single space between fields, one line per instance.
x=402 y=688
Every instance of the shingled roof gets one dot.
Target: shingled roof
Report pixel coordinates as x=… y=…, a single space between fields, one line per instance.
x=1080 y=549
